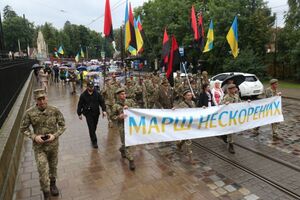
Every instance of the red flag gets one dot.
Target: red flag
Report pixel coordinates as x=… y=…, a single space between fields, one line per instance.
x=165 y=48
x=194 y=24
x=108 y=28
x=174 y=61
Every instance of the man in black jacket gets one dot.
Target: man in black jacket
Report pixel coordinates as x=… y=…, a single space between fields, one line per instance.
x=88 y=105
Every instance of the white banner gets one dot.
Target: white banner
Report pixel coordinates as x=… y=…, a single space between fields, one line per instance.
x=144 y=126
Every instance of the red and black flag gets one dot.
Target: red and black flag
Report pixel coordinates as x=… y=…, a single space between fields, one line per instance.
x=194 y=24
x=174 y=61
x=201 y=30
x=165 y=48
x=132 y=44
x=108 y=28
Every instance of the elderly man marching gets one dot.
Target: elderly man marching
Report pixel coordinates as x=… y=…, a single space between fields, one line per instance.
x=231 y=97
x=187 y=103
x=118 y=116
x=48 y=124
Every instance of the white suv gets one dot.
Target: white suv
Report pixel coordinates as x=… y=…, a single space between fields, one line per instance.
x=250 y=87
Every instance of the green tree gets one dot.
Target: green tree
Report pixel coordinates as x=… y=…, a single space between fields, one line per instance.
x=16 y=28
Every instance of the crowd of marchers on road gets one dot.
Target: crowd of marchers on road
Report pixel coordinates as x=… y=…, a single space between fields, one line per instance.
x=109 y=90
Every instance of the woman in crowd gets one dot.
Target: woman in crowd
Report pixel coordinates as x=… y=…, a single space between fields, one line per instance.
x=205 y=99
x=217 y=93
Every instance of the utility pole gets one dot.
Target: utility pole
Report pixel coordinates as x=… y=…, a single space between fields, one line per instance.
x=275 y=50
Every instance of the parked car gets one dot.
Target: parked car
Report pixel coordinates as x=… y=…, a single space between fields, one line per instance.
x=250 y=87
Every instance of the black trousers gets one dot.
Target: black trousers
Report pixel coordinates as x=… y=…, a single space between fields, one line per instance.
x=92 y=121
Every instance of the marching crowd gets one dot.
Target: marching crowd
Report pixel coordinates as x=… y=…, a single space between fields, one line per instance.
x=149 y=90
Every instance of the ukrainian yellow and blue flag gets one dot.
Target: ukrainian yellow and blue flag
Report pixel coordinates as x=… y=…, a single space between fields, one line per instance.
x=77 y=57
x=210 y=38
x=81 y=53
x=232 y=38
x=61 y=50
x=127 y=28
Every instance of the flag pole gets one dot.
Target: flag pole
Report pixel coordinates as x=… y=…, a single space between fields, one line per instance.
x=186 y=76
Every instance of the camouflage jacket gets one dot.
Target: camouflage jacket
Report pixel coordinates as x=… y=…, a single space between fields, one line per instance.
x=49 y=121
x=231 y=99
x=186 y=104
x=118 y=109
x=270 y=92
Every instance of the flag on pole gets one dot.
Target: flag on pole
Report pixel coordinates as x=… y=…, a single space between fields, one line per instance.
x=127 y=28
x=174 y=61
x=108 y=28
x=165 y=48
x=61 y=50
x=210 y=38
x=194 y=24
x=77 y=57
x=232 y=38
x=56 y=54
x=201 y=30
x=139 y=39
x=81 y=53
x=141 y=28
x=132 y=45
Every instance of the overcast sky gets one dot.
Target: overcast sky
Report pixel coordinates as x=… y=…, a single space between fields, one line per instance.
x=90 y=12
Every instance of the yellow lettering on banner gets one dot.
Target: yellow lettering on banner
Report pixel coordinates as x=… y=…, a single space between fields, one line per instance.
x=202 y=120
x=220 y=119
x=166 y=121
x=153 y=124
x=213 y=118
x=182 y=124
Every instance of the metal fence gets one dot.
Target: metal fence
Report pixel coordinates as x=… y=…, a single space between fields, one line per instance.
x=13 y=74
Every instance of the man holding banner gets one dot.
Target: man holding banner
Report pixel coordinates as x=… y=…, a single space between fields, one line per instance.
x=231 y=97
x=187 y=103
x=118 y=116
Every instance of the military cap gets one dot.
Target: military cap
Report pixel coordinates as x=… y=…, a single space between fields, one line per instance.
x=231 y=85
x=186 y=91
x=272 y=81
x=119 y=90
x=39 y=93
x=90 y=84
x=204 y=73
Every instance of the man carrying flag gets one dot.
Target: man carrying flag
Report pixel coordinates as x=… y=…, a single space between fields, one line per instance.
x=210 y=38
x=232 y=38
x=108 y=28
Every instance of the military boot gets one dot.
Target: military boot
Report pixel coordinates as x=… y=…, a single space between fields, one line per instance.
x=122 y=151
x=53 y=189
x=131 y=165
x=231 y=149
x=46 y=195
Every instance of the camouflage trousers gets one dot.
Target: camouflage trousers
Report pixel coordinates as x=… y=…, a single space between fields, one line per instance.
x=127 y=150
x=46 y=161
x=188 y=145
x=275 y=129
x=230 y=138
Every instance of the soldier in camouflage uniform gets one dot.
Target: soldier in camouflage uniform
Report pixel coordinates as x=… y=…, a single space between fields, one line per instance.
x=187 y=103
x=48 y=124
x=164 y=98
x=130 y=90
x=108 y=93
x=118 y=116
x=231 y=97
x=72 y=79
x=271 y=92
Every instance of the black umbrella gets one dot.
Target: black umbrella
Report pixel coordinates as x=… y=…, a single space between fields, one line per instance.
x=36 y=66
x=237 y=79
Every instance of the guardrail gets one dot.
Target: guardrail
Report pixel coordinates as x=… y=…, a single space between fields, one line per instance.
x=13 y=74
x=11 y=141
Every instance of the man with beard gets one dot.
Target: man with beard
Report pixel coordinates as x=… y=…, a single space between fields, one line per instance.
x=89 y=102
